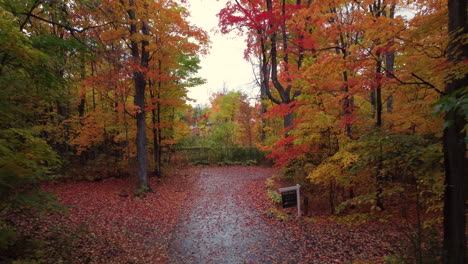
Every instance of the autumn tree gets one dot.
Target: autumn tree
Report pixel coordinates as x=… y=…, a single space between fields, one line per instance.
x=226 y=131
x=269 y=38
x=168 y=96
x=144 y=40
x=357 y=58
x=69 y=71
x=30 y=88
x=232 y=120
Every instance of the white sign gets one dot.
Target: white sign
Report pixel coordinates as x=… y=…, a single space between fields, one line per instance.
x=288 y=199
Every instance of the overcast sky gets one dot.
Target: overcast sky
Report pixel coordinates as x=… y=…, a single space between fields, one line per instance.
x=225 y=63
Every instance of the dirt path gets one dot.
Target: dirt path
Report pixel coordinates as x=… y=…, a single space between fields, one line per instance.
x=220 y=226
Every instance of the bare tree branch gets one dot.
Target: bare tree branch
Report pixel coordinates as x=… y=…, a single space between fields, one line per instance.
x=67 y=27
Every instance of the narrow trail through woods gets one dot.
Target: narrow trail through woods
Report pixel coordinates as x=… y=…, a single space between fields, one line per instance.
x=219 y=224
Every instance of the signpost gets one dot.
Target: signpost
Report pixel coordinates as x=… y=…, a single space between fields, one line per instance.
x=290 y=196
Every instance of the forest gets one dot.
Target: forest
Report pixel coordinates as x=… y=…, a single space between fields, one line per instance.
x=363 y=103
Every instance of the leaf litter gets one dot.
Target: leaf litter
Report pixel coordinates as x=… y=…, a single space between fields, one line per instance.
x=204 y=215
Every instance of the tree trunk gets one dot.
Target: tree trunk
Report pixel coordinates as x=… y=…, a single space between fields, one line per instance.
x=306 y=206
x=141 y=132
x=127 y=143
x=284 y=93
x=454 y=146
x=287 y=122
x=331 y=198
x=263 y=121
x=139 y=79
x=455 y=190
x=155 y=123
x=372 y=101
x=389 y=64
x=378 y=124
x=158 y=151
x=264 y=88
x=378 y=108
x=347 y=104
x=378 y=93
x=81 y=106
x=93 y=91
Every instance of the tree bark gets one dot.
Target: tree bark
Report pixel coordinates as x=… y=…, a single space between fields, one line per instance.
x=378 y=101
x=454 y=146
x=347 y=105
x=139 y=79
x=156 y=120
x=159 y=150
x=142 y=161
x=284 y=91
x=81 y=106
x=155 y=123
x=389 y=64
x=288 y=122
x=377 y=11
x=265 y=92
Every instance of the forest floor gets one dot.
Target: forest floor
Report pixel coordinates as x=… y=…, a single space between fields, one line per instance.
x=201 y=215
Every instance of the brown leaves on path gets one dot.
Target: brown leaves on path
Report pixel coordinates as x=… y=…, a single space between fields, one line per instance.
x=219 y=226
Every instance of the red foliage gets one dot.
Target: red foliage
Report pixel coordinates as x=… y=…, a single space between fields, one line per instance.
x=285 y=152
x=281 y=110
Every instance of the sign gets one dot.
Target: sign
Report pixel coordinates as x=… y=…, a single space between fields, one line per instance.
x=290 y=197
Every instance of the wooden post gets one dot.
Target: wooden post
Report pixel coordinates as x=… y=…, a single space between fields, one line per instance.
x=298 y=200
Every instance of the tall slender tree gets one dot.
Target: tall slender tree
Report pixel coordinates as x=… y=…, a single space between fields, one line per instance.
x=456 y=168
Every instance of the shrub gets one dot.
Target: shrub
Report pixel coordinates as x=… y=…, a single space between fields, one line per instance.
x=274 y=196
x=201 y=162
